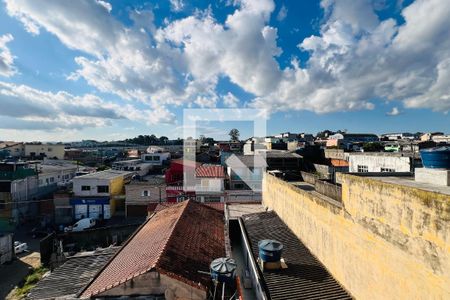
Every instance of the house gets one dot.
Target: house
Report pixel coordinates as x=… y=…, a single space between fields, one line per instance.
x=140 y=193
x=282 y=160
x=346 y=140
x=18 y=187
x=210 y=183
x=165 y=256
x=76 y=272
x=39 y=150
x=157 y=159
x=245 y=171
x=100 y=194
x=374 y=162
x=175 y=173
x=397 y=136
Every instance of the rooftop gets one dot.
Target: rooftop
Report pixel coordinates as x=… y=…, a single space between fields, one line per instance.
x=247 y=160
x=177 y=241
x=410 y=182
x=107 y=174
x=216 y=205
x=214 y=171
x=305 y=277
x=71 y=276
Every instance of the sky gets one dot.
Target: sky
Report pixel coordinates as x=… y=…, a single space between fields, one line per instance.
x=113 y=69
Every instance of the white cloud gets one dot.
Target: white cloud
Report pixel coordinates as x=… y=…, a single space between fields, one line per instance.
x=354 y=61
x=6 y=58
x=394 y=112
x=176 y=5
x=35 y=109
x=230 y=100
x=282 y=13
x=357 y=59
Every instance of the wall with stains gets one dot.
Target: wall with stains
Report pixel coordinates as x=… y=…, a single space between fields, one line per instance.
x=384 y=241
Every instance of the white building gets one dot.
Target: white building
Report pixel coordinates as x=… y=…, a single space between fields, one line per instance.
x=210 y=183
x=57 y=172
x=155 y=159
x=381 y=162
x=134 y=165
x=398 y=136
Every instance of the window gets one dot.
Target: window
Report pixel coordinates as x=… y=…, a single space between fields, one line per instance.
x=2 y=204
x=85 y=188
x=363 y=169
x=387 y=170
x=102 y=189
x=52 y=179
x=238 y=186
x=156 y=158
x=50 y=149
x=145 y=193
x=148 y=157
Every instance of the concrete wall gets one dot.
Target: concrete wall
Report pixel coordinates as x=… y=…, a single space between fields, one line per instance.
x=328 y=189
x=384 y=241
x=156 y=283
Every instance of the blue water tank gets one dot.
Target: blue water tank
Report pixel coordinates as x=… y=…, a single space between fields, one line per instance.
x=223 y=269
x=436 y=158
x=270 y=250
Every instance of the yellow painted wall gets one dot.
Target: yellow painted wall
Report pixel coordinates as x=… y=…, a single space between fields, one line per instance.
x=384 y=241
x=116 y=188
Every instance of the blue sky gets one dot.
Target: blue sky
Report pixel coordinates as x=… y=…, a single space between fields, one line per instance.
x=108 y=70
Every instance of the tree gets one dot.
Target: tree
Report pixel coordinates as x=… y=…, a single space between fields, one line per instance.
x=234 y=135
x=163 y=140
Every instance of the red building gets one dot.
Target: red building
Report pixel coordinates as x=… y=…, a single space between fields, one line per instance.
x=174 y=174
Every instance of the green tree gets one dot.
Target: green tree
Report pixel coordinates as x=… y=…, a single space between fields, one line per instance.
x=234 y=135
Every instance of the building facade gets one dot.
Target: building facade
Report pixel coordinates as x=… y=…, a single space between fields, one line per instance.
x=99 y=195
x=55 y=151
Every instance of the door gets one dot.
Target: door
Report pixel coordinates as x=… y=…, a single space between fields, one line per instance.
x=95 y=210
x=106 y=211
x=81 y=211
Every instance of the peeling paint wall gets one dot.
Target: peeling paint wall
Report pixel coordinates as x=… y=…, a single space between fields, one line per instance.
x=384 y=241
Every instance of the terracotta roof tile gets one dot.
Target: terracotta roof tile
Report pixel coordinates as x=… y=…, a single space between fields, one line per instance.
x=177 y=241
x=219 y=206
x=215 y=171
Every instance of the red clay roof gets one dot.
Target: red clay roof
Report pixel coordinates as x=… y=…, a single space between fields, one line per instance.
x=215 y=171
x=219 y=206
x=177 y=241
x=339 y=163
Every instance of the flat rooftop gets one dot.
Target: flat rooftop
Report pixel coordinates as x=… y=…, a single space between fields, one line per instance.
x=107 y=174
x=305 y=277
x=410 y=182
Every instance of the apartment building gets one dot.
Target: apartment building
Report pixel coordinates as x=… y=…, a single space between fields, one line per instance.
x=56 y=172
x=210 y=183
x=139 y=194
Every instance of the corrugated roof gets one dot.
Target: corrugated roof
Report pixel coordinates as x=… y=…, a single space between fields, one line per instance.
x=305 y=277
x=177 y=241
x=74 y=274
x=215 y=171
